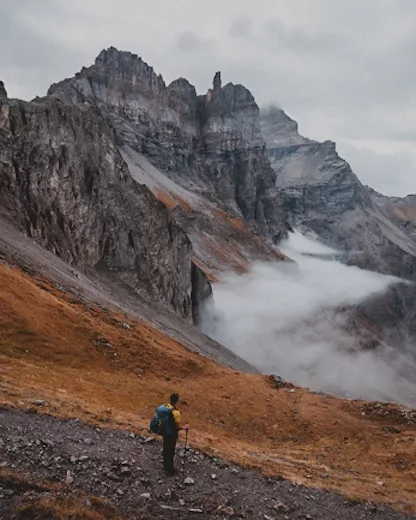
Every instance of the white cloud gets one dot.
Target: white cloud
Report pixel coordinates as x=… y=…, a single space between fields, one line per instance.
x=283 y=319
x=343 y=70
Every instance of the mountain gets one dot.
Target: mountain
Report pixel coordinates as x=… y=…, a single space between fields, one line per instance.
x=253 y=165
x=121 y=199
x=202 y=155
x=64 y=183
x=236 y=178
x=323 y=195
x=232 y=178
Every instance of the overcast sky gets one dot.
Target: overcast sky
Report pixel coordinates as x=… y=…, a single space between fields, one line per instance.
x=344 y=69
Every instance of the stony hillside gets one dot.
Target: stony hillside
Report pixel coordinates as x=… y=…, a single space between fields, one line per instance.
x=120 y=198
x=74 y=360
x=73 y=472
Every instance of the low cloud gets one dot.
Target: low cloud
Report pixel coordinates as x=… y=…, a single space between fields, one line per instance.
x=283 y=319
x=190 y=42
x=343 y=70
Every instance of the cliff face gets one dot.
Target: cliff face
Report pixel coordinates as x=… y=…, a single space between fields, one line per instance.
x=65 y=184
x=211 y=144
x=323 y=195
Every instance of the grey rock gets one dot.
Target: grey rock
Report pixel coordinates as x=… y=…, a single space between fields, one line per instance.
x=211 y=145
x=3 y=92
x=40 y=402
x=189 y=481
x=69 y=478
x=277 y=381
x=64 y=182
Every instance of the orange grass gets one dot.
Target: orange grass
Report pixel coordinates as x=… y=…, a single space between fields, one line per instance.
x=55 y=349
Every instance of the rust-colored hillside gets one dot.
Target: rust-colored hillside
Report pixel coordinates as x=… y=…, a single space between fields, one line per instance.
x=112 y=370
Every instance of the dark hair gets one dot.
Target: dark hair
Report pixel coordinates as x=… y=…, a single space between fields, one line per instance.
x=174 y=398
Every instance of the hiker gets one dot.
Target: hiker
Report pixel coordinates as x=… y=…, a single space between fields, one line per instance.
x=167 y=422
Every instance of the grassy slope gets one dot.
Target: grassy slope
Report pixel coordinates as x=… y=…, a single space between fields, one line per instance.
x=52 y=347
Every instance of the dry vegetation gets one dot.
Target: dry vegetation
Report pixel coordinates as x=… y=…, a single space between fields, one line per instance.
x=84 y=363
x=50 y=501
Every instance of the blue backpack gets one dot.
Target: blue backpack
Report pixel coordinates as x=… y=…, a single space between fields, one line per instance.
x=163 y=422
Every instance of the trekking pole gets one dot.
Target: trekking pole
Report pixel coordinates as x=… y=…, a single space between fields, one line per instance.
x=186 y=449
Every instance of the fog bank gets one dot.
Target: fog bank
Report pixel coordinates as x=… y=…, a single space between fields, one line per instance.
x=284 y=318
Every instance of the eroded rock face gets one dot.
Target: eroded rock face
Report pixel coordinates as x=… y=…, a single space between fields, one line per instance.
x=323 y=195
x=3 y=92
x=64 y=182
x=210 y=144
x=254 y=166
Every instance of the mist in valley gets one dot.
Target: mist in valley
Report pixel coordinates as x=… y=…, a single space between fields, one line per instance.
x=285 y=319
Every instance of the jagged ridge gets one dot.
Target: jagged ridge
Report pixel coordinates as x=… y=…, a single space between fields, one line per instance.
x=64 y=182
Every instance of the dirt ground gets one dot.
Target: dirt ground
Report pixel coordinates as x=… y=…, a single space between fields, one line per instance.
x=111 y=370
x=47 y=464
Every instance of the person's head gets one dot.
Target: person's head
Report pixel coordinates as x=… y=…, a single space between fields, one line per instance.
x=174 y=398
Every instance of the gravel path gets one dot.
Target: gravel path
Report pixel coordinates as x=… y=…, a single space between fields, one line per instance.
x=126 y=470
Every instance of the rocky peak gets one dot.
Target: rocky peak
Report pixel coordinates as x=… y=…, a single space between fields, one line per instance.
x=3 y=92
x=183 y=89
x=217 y=83
x=279 y=129
x=232 y=116
x=116 y=78
x=130 y=70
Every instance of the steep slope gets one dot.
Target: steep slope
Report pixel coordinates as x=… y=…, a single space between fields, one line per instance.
x=323 y=195
x=235 y=178
x=101 y=289
x=76 y=360
x=210 y=145
x=400 y=210
x=65 y=184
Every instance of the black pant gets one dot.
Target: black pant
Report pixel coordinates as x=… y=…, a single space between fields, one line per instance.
x=169 y=445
